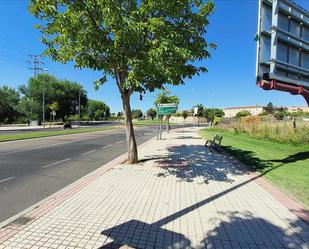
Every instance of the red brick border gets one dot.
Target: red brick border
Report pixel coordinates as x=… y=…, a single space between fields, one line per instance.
x=283 y=198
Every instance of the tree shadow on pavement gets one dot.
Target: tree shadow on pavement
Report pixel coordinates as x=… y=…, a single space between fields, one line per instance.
x=243 y=230
x=137 y=234
x=228 y=229
x=233 y=230
x=192 y=162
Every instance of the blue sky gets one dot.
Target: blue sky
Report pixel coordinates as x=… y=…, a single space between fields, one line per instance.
x=229 y=82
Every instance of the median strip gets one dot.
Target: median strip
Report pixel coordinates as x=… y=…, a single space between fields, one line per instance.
x=56 y=163
x=46 y=133
x=7 y=179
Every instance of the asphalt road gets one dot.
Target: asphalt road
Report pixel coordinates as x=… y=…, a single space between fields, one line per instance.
x=31 y=170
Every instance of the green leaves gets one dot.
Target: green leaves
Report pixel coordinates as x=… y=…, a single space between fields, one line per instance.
x=100 y=82
x=147 y=43
x=97 y=110
x=164 y=97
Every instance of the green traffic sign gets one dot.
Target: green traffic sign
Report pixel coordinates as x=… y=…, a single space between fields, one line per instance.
x=166 y=110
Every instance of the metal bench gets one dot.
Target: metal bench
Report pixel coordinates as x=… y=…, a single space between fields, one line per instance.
x=215 y=143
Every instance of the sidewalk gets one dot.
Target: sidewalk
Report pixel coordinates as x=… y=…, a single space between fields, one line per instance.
x=180 y=196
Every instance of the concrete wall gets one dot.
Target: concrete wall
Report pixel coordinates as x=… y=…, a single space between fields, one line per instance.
x=189 y=120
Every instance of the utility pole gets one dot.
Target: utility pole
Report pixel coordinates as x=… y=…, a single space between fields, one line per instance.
x=35 y=63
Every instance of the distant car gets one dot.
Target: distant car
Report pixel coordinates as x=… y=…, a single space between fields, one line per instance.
x=67 y=125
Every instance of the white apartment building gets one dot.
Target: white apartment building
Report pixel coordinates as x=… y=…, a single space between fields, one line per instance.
x=231 y=112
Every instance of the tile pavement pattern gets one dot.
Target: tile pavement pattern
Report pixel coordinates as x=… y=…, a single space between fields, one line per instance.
x=180 y=196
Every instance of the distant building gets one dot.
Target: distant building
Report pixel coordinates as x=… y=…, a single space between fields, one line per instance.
x=297 y=108
x=231 y=112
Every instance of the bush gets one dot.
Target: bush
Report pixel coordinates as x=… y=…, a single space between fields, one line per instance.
x=278 y=131
x=242 y=114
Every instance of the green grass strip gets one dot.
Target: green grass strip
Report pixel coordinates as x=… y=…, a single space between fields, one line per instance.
x=284 y=165
x=46 y=133
x=149 y=122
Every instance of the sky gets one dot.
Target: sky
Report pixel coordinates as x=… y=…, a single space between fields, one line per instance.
x=230 y=80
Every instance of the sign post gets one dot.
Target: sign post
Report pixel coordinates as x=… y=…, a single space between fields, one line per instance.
x=165 y=109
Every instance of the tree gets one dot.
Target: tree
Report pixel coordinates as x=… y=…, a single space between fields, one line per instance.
x=53 y=107
x=64 y=92
x=119 y=115
x=242 y=114
x=184 y=114
x=269 y=108
x=9 y=100
x=137 y=114
x=97 y=110
x=164 y=97
x=211 y=113
x=152 y=113
x=29 y=108
x=141 y=44
x=280 y=115
x=199 y=113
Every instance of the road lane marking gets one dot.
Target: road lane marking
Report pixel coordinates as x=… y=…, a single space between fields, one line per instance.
x=35 y=148
x=51 y=145
x=7 y=179
x=88 y=152
x=55 y=163
x=119 y=142
x=106 y=146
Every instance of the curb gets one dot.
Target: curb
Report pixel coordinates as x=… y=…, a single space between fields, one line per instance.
x=16 y=223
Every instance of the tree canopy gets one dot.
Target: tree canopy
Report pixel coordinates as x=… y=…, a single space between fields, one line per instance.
x=152 y=113
x=269 y=108
x=184 y=114
x=9 y=100
x=64 y=92
x=97 y=110
x=141 y=44
x=211 y=113
x=137 y=113
x=242 y=114
x=165 y=97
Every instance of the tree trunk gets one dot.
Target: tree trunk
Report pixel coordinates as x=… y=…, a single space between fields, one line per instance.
x=131 y=143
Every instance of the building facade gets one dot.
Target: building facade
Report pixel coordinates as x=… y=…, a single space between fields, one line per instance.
x=231 y=112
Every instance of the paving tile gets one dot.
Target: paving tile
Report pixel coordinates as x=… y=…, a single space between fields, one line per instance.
x=181 y=196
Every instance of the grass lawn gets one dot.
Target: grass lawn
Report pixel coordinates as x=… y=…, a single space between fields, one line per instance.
x=37 y=134
x=149 y=122
x=285 y=165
